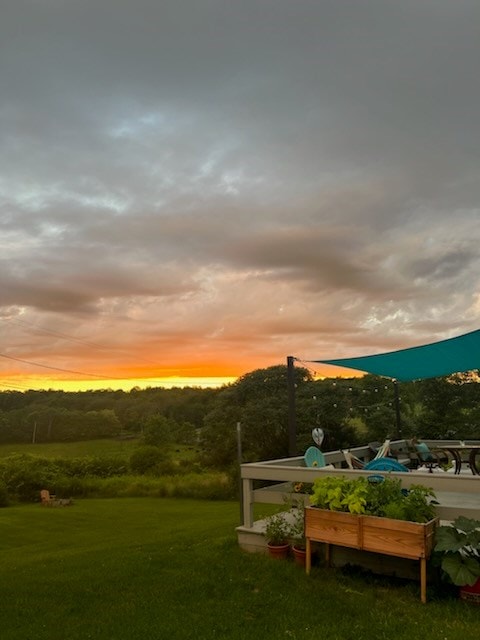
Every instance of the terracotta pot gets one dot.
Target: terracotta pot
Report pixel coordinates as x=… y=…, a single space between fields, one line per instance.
x=471 y=594
x=278 y=551
x=299 y=555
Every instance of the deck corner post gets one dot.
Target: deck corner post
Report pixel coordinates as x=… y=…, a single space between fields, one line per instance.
x=247 y=484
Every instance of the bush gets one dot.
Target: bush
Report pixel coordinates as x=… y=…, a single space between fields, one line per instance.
x=145 y=459
x=25 y=476
x=103 y=467
x=4 y=501
x=211 y=486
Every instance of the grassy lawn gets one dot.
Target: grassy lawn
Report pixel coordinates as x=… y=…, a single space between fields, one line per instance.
x=129 y=568
x=106 y=447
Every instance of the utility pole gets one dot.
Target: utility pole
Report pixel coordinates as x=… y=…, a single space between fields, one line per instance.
x=240 y=460
x=397 y=409
x=292 y=417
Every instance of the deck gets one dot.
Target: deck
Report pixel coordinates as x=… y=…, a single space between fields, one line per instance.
x=456 y=494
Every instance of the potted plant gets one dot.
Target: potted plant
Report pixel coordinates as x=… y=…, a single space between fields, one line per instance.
x=298 y=533
x=459 y=546
x=277 y=534
x=375 y=496
x=372 y=514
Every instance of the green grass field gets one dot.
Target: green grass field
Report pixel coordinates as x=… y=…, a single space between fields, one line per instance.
x=89 y=448
x=127 y=569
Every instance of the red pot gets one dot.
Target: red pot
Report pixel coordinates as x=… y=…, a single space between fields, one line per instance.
x=299 y=555
x=278 y=551
x=471 y=594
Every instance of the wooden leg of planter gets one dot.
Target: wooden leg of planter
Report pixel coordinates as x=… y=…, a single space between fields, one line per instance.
x=308 y=557
x=327 y=554
x=423 y=580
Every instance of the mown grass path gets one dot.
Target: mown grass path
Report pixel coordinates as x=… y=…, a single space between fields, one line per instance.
x=128 y=569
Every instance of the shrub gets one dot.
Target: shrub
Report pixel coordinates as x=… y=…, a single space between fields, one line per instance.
x=25 y=476
x=145 y=459
x=101 y=466
x=4 y=501
x=211 y=486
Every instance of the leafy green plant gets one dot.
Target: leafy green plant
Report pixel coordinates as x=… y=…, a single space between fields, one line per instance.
x=145 y=459
x=384 y=498
x=298 y=526
x=340 y=494
x=277 y=530
x=459 y=544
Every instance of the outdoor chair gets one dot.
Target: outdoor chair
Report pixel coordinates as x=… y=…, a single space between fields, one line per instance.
x=49 y=500
x=421 y=454
x=356 y=463
x=352 y=461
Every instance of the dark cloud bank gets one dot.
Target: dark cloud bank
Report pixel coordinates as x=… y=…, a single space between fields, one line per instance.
x=234 y=182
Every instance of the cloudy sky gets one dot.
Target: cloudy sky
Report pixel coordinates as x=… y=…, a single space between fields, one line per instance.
x=199 y=188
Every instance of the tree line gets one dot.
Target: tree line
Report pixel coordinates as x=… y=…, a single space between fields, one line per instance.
x=350 y=411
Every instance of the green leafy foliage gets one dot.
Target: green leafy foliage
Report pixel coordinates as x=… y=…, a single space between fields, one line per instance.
x=459 y=546
x=384 y=499
x=4 y=499
x=277 y=530
x=146 y=459
x=158 y=430
x=350 y=410
x=24 y=476
x=101 y=466
x=259 y=401
x=340 y=494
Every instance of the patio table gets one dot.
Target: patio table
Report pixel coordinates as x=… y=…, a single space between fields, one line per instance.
x=456 y=451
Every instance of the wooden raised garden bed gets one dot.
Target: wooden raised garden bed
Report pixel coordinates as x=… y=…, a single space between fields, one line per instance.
x=413 y=540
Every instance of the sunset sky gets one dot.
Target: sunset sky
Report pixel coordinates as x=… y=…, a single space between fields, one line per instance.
x=194 y=189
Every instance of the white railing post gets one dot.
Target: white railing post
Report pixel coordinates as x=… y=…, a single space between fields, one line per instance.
x=247 y=485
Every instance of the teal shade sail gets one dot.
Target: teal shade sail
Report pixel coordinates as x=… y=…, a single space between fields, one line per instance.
x=433 y=360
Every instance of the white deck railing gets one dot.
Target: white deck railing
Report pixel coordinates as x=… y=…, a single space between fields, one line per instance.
x=463 y=489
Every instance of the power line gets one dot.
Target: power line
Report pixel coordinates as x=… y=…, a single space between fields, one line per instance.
x=46 y=366
x=80 y=373
x=15 y=387
x=58 y=334
x=66 y=336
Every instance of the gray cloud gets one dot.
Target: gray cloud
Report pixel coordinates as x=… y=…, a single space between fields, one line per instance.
x=263 y=177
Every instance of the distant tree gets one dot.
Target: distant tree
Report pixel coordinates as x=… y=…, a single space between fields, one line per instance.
x=158 y=430
x=144 y=460
x=259 y=401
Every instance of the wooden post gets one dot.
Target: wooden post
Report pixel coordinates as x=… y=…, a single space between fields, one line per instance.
x=423 y=580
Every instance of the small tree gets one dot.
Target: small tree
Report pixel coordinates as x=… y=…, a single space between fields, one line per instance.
x=146 y=459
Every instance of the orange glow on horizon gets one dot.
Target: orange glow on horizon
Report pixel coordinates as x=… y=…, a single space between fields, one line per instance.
x=25 y=383
x=210 y=375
